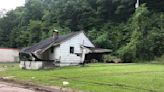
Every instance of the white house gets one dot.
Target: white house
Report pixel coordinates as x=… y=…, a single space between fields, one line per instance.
x=9 y=55
x=59 y=50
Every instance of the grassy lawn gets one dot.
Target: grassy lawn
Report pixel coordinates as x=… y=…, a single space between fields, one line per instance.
x=96 y=77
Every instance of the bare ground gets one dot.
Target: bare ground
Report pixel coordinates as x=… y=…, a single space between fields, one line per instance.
x=8 y=85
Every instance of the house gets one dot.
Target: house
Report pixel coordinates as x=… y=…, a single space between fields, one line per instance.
x=59 y=50
x=9 y=55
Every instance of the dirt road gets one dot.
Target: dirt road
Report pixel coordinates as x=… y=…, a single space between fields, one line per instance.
x=7 y=87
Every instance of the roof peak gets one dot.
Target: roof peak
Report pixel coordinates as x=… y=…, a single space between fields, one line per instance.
x=50 y=41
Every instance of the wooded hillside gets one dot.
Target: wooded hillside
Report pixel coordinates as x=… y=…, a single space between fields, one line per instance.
x=114 y=24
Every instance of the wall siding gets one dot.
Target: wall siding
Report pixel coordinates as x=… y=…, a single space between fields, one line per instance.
x=31 y=64
x=64 y=50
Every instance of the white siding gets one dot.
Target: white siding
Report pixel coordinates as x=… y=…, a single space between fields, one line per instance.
x=55 y=54
x=76 y=42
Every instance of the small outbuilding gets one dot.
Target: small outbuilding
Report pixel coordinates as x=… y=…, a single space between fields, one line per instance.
x=59 y=50
x=9 y=55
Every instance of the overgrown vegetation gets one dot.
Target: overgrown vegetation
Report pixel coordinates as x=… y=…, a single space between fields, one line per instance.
x=132 y=34
x=94 y=77
x=111 y=59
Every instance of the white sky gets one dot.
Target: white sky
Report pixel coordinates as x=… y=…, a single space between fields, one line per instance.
x=11 y=4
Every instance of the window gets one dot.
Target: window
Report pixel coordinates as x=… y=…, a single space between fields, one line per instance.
x=52 y=50
x=71 y=50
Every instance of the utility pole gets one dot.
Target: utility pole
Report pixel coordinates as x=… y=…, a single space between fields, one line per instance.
x=137 y=4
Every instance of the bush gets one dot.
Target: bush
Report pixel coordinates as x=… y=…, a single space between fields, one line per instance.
x=111 y=59
x=159 y=60
x=128 y=57
x=94 y=61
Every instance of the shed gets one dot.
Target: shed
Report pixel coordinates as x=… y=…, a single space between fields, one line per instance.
x=59 y=50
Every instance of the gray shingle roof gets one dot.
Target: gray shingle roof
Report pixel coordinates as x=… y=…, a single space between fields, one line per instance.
x=48 y=42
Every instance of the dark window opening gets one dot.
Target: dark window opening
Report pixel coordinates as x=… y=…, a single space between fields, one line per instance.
x=71 y=50
x=52 y=50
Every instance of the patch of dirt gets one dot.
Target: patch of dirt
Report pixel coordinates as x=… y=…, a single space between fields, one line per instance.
x=30 y=87
x=7 y=87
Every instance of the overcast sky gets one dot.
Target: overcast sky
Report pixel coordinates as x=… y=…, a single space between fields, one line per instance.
x=11 y=4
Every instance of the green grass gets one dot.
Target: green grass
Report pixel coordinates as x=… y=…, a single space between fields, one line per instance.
x=96 y=77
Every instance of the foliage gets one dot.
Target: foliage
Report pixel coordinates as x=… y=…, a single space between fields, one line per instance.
x=141 y=44
x=94 y=61
x=111 y=59
x=159 y=60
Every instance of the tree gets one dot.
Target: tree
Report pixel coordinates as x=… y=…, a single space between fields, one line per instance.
x=142 y=42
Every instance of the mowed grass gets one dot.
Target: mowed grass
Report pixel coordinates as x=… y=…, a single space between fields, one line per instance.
x=96 y=77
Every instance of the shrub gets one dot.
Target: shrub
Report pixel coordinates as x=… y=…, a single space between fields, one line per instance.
x=94 y=61
x=159 y=60
x=111 y=59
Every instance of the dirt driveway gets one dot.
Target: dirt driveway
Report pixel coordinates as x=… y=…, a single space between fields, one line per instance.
x=7 y=87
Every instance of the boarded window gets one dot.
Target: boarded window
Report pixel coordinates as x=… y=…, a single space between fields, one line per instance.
x=71 y=50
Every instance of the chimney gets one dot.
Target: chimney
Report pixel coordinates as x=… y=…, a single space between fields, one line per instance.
x=55 y=34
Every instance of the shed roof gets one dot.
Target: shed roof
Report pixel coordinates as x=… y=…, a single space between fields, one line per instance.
x=48 y=43
x=100 y=50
